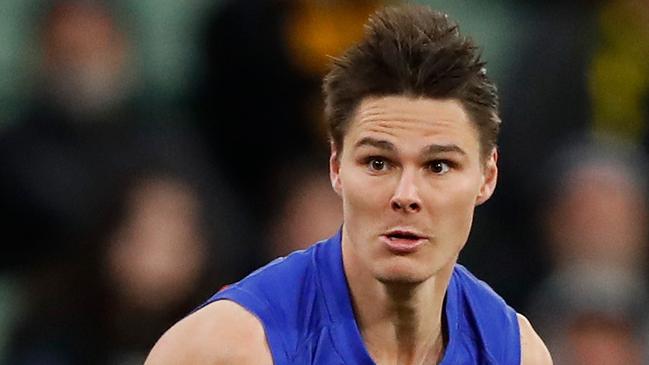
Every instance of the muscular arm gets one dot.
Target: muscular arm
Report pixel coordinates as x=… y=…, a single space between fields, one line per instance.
x=221 y=333
x=533 y=350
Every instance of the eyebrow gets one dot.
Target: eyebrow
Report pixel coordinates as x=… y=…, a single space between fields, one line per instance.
x=428 y=150
x=380 y=144
x=438 y=148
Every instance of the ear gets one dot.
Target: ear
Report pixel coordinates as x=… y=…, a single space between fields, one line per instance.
x=489 y=178
x=334 y=170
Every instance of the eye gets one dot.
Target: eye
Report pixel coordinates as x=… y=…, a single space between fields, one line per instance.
x=377 y=164
x=439 y=167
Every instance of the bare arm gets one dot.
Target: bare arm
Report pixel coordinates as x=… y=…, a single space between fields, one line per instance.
x=221 y=333
x=533 y=350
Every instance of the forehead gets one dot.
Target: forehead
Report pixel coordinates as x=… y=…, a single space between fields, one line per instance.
x=412 y=120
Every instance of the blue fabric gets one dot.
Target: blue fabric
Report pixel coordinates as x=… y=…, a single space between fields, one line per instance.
x=304 y=305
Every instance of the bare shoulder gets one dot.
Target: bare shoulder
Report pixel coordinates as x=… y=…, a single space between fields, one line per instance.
x=221 y=333
x=533 y=350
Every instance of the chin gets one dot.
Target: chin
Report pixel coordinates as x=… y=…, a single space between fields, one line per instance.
x=410 y=270
x=401 y=274
x=399 y=280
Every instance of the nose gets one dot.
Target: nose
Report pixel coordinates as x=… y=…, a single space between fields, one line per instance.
x=406 y=196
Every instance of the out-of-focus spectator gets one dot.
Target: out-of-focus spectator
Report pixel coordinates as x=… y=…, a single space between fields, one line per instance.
x=154 y=265
x=59 y=162
x=576 y=68
x=590 y=315
x=157 y=254
x=113 y=223
x=618 y=76
x=261 y=90
x=597 y=206
x=308 y=210
x=85 y=60
x=591 y=309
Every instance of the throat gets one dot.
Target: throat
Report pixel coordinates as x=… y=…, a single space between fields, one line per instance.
x=411 y=329
x=405 y=349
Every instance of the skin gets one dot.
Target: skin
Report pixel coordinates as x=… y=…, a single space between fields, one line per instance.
x=413 y=165
x=407 y=164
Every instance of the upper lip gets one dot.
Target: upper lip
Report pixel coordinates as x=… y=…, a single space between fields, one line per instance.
x=405 y=233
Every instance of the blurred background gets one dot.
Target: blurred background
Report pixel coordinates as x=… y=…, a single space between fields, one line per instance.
x=153 y=151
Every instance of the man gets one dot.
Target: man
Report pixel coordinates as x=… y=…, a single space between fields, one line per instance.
x=413 y=123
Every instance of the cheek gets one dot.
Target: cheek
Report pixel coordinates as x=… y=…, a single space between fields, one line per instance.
x=359 y=196
x=454 y=205
x=364 y=200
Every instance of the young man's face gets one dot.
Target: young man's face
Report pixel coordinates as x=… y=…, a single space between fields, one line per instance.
x=410 y=175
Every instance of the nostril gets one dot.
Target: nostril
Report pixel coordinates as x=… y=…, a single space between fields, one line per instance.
x=411 y=206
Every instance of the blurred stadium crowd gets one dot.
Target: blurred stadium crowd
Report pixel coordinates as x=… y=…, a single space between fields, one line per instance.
x=152 y=151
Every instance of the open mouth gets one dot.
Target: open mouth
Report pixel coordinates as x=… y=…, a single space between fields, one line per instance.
x=403 y=242
x=403 y=235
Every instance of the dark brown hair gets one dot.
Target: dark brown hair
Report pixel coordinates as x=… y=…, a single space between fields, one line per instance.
x=414 y=51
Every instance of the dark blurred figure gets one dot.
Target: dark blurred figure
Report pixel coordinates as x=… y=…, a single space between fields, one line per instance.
x=261 y=91
x=593 y=317
x=154 y=267
x=58 y=162
x=578 y=68
x=591 y=308
x=111 y=221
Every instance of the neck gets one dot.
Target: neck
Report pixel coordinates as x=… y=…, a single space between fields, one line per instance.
x=401 y=322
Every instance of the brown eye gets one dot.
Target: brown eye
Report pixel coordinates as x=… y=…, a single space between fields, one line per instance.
x=439 y=167
x=377 y=164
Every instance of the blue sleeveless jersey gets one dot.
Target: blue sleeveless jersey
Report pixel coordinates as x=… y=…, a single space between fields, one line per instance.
x=304 y=305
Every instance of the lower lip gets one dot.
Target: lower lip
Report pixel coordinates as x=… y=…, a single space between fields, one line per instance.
x=402 y=246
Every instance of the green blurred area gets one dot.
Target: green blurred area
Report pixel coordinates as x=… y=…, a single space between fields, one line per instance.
x=164 y=35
